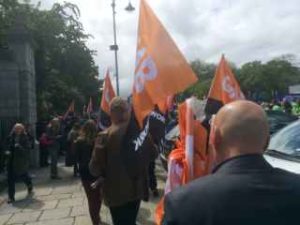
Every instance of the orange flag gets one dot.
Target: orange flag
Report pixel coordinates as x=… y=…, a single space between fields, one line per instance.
x=161 y=70
x=224 y=88
x=108 y=94
x=71 y=109
x=89 y=108
x=188 y=160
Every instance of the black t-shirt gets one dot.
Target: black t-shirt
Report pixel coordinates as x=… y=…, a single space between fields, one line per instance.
x=84 y=151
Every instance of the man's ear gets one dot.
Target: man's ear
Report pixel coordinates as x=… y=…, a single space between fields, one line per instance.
x=218 y=138
x=267 y=143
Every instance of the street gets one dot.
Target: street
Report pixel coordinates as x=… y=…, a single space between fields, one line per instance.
x=62 y=202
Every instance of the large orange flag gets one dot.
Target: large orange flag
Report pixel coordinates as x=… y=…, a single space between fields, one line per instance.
x=107 y=95
x=161 y=70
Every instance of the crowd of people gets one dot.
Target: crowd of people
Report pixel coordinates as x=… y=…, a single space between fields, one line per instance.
x=287 y=106
x=96 y=157
x=112 y=172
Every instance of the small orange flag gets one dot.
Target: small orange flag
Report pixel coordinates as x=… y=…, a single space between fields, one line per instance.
x=71 y=109
x=161 y=70
x=89 y=108
x=224 y=88
x=108 y=94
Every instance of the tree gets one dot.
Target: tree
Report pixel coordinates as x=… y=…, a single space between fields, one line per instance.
x=266 y=81
x=7 y=9
x=205 y=72
x=65 y=68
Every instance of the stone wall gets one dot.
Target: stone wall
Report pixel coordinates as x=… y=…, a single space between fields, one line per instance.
x=17 y=82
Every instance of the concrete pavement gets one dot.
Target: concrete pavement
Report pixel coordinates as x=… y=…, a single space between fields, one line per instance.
x=62 y=202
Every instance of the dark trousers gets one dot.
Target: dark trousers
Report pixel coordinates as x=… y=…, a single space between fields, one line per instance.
x=76 y=169
x=53 y=150
x=125 y=214
x=11 y=180
x=44 y=156
x=94 y=197
x=152 y=177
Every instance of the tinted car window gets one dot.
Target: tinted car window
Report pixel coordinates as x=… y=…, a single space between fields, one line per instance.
x=278 y=120
x=287 y=140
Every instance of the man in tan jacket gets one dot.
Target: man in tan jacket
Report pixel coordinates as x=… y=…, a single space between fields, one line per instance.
x=122 y=193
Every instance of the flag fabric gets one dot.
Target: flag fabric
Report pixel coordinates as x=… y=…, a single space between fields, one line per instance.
x=107 y=95
x=224 y=88
x=71 y=109
x=161 y=70
x=192 y=159
x=89 y=108
x=139 y=144
x=166 y=105
x=189 y=160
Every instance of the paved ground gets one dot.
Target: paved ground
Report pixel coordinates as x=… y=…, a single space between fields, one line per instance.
x=61 y=202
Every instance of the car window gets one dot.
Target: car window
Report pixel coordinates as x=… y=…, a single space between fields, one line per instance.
x=287 y=140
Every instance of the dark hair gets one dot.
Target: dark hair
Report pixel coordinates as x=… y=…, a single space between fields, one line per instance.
x=76 y=126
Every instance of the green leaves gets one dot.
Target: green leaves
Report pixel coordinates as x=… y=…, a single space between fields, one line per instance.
x=65 y=68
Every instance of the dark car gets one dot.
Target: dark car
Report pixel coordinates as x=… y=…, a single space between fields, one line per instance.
x=278 y=120
x=284 y=148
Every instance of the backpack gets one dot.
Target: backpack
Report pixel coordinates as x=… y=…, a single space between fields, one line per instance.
x=136 y=149
x=139 y=149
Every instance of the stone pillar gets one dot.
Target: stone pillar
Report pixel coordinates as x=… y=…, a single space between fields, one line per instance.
x=21 y=45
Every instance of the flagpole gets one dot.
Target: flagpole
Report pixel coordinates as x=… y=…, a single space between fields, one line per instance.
x=115 y=46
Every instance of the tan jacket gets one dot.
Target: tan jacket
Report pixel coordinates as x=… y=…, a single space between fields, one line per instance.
x=118 y=187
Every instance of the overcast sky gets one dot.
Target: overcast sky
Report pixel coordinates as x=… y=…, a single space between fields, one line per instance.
x=243 y=30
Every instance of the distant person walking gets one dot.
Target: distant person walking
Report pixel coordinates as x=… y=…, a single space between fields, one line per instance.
x=243 y=187
x=287 y=106
x=83 y=148
x=53 y=135
x=70 y=154
x=44 y=150
x=18 y=160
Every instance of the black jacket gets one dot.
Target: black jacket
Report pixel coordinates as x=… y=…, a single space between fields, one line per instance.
x=243 y=190
x=19 y=154
x=83 y=151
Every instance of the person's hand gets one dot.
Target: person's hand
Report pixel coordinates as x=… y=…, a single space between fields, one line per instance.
x=94 y=185
x=17 y=145
x=98 y=182
x=7 y=153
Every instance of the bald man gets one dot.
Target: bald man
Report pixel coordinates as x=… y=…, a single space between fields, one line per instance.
x=243 y=188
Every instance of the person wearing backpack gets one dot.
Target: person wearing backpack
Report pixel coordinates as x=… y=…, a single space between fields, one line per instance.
x=121 y=169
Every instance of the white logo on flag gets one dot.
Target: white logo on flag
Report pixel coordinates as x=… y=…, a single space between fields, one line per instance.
x=107 y=96
x=228 y=87
x=146 y=70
